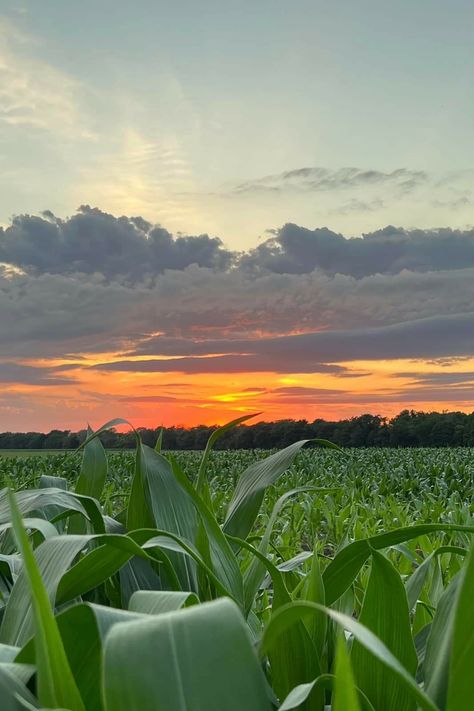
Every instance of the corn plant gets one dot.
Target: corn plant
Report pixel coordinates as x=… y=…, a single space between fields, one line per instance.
x=183 y=601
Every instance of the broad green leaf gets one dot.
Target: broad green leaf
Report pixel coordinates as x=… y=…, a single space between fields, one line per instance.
x=248 y=496
x=327 y=681
x=8 y=652
x=385 y=612
x=47 y=529
x=52 y=482
x=255 y=573
x=107 y=426
x=292 y=613
x=55 y=682
x=438 y=646
x=206 y=663
x=344 y=568
x=47 y=501
x=416 y=581
x=85 y=650
x=23 y=672
x=461 y=676
x=13 y=693
x=171 y=542
x=215 y=436
x=155 y=602
x=52 y=558
x=159 y=442
x=222 y=558
x=298 y=695
x=139 y=574
x=345 y=690
x=293 y=656
x=313 y=590
x=112 y=551
x=91 y=479
x=170 y=506
x=139 y=514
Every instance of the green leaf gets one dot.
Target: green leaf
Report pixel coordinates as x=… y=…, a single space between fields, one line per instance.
x=93 y=470
x=107 y=426
x=298 y=695
x=112 y=551
x=91 y=479
x=385 y=612
x=140 y=574
x=48 y=502
x=85 y=650
x=248 y=496
x=292 y=613
x=55 y=682
x=313 y=590
x=255 y=573
x=155 y=602
x=215 y=436
x=416 y=581
x=345 y=696
x=159 y=442
x=139 y=514
x=223 y=560
x=438 y=646
x=344 y=568
x=206 y=663
x=461 y=676
x=52 y=558
x=171 y=508
x=13 y=693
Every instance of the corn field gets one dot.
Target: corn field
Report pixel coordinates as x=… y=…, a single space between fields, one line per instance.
x=305 y=579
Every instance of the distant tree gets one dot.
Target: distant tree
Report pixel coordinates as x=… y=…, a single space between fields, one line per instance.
x=410 y=428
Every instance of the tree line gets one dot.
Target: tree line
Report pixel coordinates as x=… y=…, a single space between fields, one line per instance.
x=408 y=429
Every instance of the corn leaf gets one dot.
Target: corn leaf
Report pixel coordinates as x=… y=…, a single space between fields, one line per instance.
x=55 y=682
x=345 y=696
x=385 y=613
x=206 y=663
x=461 y=677
x=344 y=568
x=248 y=496
x=155 y=602
x=294 y=612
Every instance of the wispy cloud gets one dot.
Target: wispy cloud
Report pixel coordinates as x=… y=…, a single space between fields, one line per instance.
x=34 y=94
x=318 y=179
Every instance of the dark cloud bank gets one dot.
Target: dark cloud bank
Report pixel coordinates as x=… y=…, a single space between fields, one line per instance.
x=131 y=248
x=302 y=301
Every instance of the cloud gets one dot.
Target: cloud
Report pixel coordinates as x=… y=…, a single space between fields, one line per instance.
x=92 y=241
x=122 y=288
x=321 y=396
x=297 y=250
x=317 y=179
x=148 y=398
x=229 y=363
x=448 y=378
x=131 y=248
x=29 y=375
x=33 y=93
x=310 y=352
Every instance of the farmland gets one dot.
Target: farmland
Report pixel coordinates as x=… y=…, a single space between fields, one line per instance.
x=374 y=489
x=286 y=549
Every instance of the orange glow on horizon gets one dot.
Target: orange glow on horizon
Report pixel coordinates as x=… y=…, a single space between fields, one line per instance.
x=173 y=398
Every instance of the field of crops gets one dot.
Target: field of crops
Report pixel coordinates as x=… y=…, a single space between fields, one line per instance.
x=307 y=579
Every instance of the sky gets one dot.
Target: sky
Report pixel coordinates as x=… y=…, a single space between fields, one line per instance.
x=218 y=208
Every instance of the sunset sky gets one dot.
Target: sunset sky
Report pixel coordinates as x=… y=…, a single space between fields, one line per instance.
x=217 y=208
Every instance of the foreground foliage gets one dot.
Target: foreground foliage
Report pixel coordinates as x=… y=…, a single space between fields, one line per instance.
x=186 y=595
